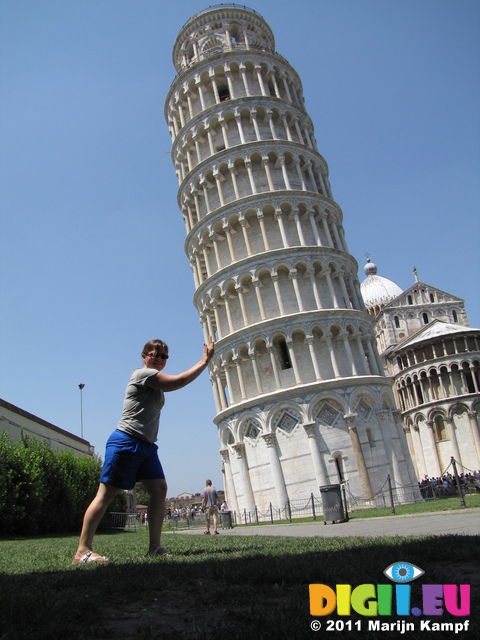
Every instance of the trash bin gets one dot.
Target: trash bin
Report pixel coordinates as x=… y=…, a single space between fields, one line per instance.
x=332 y=503
x=227 y=520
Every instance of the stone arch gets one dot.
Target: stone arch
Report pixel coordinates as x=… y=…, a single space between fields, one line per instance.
x=387 y=401
x=236 y=33
x=364 y=403
x=457 y=409
x=259 y=348
x=249 y=426
x=327 y=410
x=298 y=334
x=440 y=430
x=285 y=417
x=437 y=411
x=227 y=437
x=278 y=341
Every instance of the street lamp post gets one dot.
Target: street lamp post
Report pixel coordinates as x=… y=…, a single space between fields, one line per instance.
x=81 y=386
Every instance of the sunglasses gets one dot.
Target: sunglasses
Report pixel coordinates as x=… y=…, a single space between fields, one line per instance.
x=163 y=356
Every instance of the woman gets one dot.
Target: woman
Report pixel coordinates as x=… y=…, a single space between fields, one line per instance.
x=131 y=452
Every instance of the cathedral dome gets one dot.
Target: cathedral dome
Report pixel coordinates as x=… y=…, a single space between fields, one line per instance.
x=377 y=291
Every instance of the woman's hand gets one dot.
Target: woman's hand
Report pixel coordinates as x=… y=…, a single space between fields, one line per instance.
x=209 y=350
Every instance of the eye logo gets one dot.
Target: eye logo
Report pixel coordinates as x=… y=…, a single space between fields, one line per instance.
x=403 y=572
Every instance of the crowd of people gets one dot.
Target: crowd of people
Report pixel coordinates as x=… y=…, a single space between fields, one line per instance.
x=183 y=513
x=192 y=512
x=446 y=485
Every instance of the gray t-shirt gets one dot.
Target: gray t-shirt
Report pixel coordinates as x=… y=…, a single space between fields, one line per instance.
x=141 y=407
x=210 y=496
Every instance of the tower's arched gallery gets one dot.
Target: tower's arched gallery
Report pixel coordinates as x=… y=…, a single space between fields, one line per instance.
x=302 y=400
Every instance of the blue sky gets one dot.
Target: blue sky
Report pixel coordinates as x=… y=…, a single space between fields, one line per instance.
x=91 y=242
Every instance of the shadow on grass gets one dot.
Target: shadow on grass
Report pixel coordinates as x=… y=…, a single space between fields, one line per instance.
x=254 y=587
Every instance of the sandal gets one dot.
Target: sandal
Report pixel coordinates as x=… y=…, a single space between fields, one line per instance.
x=159 y=551
x=87 y=558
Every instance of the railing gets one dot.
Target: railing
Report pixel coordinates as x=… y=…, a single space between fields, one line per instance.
x=180 y=523
x=390 y=497
x=438 y=491
x=387 y=497
x=121 y=521
x=221 y=6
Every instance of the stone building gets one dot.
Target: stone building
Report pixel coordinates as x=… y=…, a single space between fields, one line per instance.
x=423 y=336
x=301 y=396
x=16 y=421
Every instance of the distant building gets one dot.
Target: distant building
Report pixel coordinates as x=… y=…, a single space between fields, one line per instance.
x=185 y=497
x=14 y=421
x=426 y=344
x=187 y=500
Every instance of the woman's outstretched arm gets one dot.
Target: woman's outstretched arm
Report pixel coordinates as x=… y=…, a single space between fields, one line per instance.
x=167 y=382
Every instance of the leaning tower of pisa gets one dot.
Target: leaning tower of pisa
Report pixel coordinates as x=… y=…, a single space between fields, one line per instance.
x=301 y=397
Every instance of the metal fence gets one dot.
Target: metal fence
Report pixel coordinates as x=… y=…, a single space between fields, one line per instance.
x=291 y=510
x=179 y=523
x=387 y=497
x=432 y=491
x=121 y=521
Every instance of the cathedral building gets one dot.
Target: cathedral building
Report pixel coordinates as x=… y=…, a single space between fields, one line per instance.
x=301 y=395
x=425 y=341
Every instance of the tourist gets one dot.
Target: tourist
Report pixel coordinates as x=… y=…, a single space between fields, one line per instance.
x=131 y=453
x=210 y=504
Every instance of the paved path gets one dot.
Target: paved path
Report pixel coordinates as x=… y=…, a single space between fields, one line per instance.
x=466 y=522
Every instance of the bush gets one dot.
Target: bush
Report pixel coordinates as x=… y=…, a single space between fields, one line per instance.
x=45 y=491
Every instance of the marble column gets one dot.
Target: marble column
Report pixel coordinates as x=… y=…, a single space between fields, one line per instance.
x=231 y=496
x=411 y=471
x=383 y=416
x=321 y=477
x=244 y=476
x=417 y=442
x=453 y=439
x=358 y=454
x=473 y=419
x=428 y=432
x=276 y=467
x=411 y=447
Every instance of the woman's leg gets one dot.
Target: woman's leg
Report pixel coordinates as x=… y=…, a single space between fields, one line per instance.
x=157 y=490
x=94 y=513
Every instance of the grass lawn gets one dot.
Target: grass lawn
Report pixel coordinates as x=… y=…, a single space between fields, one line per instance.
x=214 y=587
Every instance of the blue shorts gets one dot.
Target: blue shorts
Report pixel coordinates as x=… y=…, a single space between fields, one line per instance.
x=129 y=460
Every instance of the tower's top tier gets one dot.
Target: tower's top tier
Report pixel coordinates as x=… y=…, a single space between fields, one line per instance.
x=222 y=27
